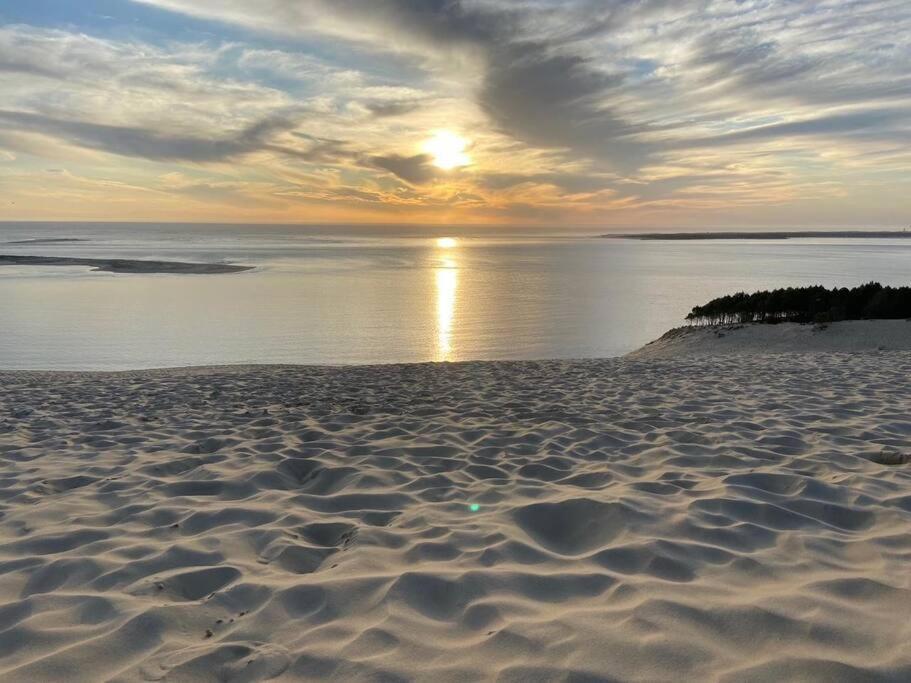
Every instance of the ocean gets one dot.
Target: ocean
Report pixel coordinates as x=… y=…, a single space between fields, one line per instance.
x=385 y=294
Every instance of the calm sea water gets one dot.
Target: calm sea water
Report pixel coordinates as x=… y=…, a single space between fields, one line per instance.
x=380 y=295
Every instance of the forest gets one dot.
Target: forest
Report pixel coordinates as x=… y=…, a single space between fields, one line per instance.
x=806 y=305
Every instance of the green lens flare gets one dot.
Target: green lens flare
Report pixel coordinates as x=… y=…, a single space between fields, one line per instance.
x=474 y=507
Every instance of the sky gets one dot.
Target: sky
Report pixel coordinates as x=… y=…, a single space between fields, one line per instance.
x=617 y=114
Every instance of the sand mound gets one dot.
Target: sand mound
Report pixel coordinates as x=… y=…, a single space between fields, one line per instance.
x=120 y=265
x=849 y=336
x=715 y=519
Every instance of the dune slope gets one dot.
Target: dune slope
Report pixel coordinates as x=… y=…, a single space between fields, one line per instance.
x=712 y=519
x=847 y=336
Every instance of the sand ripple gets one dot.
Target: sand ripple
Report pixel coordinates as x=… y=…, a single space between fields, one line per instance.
x=665 y=520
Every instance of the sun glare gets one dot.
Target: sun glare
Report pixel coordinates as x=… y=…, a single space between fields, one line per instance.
x=446 y=242
x=447 y=150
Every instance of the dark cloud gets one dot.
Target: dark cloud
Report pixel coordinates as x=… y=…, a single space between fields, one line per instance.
x=744 y=64
x=559 y=101
x=394 y=108
x=744 y=60
x=139 y=142
x=416 y=169
x=832 y=125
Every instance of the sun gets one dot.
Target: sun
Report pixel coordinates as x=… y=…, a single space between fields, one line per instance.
x=447 y=150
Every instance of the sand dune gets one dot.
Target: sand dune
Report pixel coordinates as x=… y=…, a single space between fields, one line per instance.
x=700 y=519
x=848 y=336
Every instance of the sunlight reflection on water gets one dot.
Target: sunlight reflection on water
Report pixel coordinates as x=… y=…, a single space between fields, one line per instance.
x=447 y=284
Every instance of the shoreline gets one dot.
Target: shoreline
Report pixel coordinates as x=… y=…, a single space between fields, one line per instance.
x=843 y=337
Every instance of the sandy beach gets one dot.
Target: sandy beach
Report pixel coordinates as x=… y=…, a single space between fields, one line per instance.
x=720 y=518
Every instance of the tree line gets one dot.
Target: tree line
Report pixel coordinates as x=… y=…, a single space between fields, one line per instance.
x=806 y=305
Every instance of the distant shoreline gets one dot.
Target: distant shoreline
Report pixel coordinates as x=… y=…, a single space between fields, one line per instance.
x=46 y=240
x=681 y=236
x=124 y=265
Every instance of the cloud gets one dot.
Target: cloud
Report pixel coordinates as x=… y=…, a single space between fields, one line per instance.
x=80 y=58
x=126 y=82
x=870 y=123
x=559 y=101
x=297 y=66
x=138 y=100
x=530 y=90
x=150 y=144
x=570 y=182
x=320 y=150
x=416 y=169
x=669 y=105
x=24 y=50
x=562 y=76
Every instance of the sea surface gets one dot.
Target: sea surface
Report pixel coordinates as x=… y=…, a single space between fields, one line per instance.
x=387 y=294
